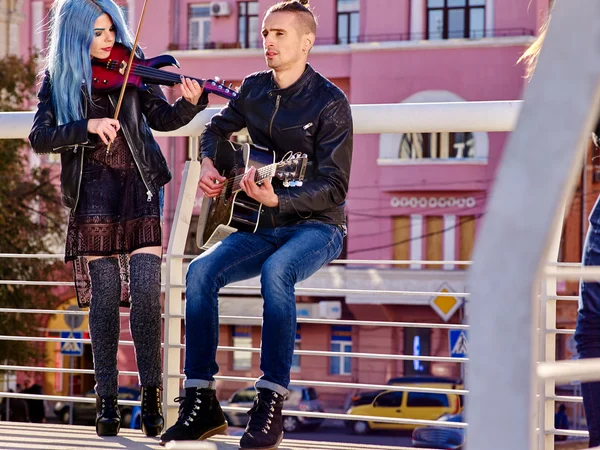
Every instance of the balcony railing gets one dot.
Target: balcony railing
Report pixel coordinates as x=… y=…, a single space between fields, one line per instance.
x=383 y=37
x=476 y=116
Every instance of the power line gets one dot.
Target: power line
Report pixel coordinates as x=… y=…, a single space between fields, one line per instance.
x=433 y=233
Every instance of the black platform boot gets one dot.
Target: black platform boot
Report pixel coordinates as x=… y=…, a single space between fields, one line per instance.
x=108 y=416
x=265 y=428
x=200 y=417
x=153 y=421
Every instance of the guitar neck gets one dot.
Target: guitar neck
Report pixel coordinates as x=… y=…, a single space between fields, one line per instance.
x=261 y=174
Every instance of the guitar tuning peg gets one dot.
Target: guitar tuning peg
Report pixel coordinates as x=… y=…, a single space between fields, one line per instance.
x=299 y=183
x=292 y=184
x=217 y=79
x=286 y=183
x=230 y=85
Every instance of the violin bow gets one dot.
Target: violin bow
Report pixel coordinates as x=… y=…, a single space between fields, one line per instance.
x=129 y=66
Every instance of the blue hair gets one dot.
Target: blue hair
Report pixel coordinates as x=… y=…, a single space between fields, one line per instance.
x=68 y=56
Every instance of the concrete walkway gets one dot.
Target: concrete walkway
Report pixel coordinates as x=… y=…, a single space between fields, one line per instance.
x=15 y=435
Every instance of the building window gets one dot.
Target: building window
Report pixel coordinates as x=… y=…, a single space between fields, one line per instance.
x=248 y=29
x=242 y=338
x=466 y=234
x=437 y=146
x=417 y=342
x=296 y=358
x=348 y=21
x=434 y=240
x=402 y=240
x=341 y=341
x=455 y=19
x=198 y=25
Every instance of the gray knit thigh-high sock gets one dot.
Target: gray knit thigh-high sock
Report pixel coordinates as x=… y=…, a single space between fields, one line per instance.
x=145 y=320
x=105 y=324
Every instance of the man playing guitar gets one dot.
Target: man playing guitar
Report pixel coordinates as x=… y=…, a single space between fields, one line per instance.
x=288 y=108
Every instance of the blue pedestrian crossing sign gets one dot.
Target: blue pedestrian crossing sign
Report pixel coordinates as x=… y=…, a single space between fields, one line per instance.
x=71 y=348
x=458 y=340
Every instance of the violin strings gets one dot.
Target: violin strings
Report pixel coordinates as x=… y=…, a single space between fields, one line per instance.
x=140 y=69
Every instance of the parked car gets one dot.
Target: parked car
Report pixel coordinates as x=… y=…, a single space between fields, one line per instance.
x=403 y=404
x=451 y=383
x=85 y=413
x=431 y=381
x=440 y=436
x=300 y=398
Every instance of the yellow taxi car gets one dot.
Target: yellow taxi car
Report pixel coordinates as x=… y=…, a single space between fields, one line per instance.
x=405 y=404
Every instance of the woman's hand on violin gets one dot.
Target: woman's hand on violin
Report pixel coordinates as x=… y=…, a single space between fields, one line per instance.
x=190 y=90
x=105 y=128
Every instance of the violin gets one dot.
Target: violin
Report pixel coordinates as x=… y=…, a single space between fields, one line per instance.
x=108 y=74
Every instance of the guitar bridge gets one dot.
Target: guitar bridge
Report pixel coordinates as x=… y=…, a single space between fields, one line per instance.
x=220 y=233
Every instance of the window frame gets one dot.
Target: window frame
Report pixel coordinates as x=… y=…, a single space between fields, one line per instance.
x=201 y=19
x=446 y=10
x=444 y=146
x=345 y=347
x=247 y=42
x=349 y=16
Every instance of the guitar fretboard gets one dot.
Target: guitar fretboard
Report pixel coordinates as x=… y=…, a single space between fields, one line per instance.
x=261 y=174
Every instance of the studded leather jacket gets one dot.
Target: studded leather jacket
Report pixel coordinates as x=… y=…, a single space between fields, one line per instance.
x=311 y=116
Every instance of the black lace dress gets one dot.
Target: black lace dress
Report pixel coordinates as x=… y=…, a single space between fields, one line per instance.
x=115 y=215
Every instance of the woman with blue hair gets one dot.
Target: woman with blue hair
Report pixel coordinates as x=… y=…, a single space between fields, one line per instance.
x=112 y=178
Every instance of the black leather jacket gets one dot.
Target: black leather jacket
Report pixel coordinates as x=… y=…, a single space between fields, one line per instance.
x=140 y=111
x=311 y=116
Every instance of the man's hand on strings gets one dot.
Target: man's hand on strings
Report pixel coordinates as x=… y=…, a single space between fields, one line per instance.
x=263 y=194
x=211 y=183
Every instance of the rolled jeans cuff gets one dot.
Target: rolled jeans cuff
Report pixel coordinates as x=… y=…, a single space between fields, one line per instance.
x=272 y=386
x=200 y=384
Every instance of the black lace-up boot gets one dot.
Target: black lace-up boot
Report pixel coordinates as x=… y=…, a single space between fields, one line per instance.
x=108 y=416
x=200 y=417
x=265 y=428
x=153 y=421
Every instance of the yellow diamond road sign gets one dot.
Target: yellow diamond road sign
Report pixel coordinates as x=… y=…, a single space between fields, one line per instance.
x=445 y=305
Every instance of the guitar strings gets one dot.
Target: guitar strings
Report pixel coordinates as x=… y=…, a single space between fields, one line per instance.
x=263 y=172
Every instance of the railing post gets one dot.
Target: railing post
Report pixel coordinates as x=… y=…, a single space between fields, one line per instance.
x=513 y=243
x=174 y=279
x=547 y=341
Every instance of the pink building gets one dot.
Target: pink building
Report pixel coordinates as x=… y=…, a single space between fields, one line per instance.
x=413 y=196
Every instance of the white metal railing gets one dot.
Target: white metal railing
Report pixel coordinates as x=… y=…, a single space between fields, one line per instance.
x=499 y=116
x=452 y=117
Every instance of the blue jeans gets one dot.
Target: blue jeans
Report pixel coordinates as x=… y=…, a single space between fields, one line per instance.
x=282 y=257
x=587 y=331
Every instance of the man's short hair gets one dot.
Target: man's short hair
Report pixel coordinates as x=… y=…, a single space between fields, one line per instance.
x=306 y=17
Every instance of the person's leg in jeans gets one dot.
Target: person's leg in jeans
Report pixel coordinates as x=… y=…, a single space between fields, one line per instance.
x=587 y=332
x=238 y=257
x=303 y=249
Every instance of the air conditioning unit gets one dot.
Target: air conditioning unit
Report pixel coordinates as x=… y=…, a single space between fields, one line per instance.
x=219 y=9
x=330 y=309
